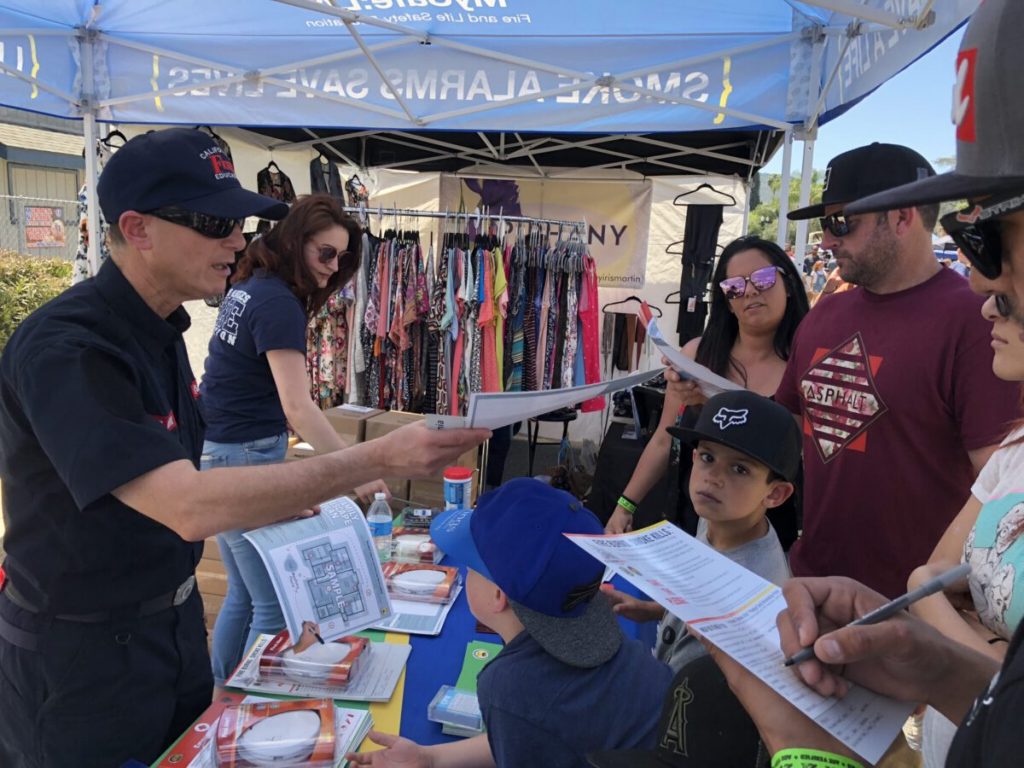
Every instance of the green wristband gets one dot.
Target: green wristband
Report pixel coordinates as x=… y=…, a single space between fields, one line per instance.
x=811 y=758
x=627 y=504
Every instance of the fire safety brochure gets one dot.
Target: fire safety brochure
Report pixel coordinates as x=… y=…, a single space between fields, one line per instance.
x=325 y=571
x=736 y=609
x=710 y=382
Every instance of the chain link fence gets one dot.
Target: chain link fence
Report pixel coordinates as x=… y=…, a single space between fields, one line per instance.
x=38 y=226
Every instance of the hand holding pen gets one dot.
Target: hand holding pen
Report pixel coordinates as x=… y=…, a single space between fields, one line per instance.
x=902 y=657
x=893 y=607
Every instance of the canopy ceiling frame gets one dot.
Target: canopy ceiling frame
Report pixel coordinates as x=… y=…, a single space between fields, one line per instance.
x=535 y=148
x=616 y=92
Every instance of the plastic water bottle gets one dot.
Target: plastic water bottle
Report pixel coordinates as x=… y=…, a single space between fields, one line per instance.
x=380 y=520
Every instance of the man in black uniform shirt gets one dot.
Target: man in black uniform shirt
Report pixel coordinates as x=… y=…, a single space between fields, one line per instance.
x=102 y=644
x=904 y=657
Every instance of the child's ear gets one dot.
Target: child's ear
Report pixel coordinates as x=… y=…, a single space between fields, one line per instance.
x=780 y=491
x=498 y=600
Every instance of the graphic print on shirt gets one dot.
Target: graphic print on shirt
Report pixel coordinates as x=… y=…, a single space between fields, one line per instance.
x=231 y=310
x=841 y=399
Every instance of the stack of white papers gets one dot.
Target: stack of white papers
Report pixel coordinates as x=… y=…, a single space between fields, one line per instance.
x=736 y=609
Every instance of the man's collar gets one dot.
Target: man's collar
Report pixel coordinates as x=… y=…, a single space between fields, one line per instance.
x=125 y=301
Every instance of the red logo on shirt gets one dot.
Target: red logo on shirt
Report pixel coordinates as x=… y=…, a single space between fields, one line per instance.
x=195 y=389
x=963 y=95
x=841 y=399
x=170 y=423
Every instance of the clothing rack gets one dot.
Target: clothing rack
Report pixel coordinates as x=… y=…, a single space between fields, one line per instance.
x=456 y=215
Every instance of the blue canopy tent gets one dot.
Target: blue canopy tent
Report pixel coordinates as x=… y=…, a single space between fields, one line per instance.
x=519 y=79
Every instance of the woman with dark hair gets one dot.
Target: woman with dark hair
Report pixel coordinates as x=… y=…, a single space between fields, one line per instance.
x=255 y=384
x=757 y=301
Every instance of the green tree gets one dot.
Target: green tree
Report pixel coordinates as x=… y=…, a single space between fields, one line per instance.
x=764 y=217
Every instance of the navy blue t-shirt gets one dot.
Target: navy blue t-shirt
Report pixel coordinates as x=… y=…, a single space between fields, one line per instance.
x=240 y=398
x=540 y=711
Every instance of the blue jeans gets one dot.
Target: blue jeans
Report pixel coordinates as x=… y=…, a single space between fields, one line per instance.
x=250 y=607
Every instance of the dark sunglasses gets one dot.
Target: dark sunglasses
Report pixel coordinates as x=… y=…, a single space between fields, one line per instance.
x=981 y=242
x=762 y=279
x=835 y=223
x=1004 y=306
x=329 y=253
x=214 y=227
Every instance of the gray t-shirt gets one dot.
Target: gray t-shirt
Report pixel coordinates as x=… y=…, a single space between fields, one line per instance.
x=763 y=556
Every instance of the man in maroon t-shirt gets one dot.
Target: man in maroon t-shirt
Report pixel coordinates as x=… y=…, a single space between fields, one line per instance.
x=893 y=383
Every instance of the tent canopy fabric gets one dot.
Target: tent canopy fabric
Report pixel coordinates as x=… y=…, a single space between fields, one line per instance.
x=593 y=67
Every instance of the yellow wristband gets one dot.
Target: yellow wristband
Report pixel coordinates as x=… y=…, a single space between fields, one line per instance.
x=811 y=758
x=627 y=504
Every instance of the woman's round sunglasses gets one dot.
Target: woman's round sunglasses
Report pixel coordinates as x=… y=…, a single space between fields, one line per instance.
x=762 y=279
x=328 y=253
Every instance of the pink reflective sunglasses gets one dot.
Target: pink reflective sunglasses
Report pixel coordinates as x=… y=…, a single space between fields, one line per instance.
x=762 y=279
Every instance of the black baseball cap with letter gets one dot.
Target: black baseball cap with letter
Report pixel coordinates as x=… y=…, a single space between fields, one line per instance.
x=751 y=424
x=182 y=168
x=988 y=112
x=864 y=171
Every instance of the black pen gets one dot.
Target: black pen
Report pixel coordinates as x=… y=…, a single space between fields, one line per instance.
x=890 y=609
x=317 y=636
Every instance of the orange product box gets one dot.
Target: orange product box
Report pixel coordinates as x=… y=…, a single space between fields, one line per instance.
x=414 y=545
x=294 y=732
x=425 y=583
x=335 y=663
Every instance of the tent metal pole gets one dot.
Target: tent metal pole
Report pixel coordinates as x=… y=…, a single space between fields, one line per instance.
x=787 y=169
x=92 y=201
x=806 y=172
x=858 y=11
x=808 y=132
x=746 y=207
x=86 y=39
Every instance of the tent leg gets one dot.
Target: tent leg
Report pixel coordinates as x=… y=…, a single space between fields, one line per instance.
x=787 y=168
x=806 y=172
x=92 y=201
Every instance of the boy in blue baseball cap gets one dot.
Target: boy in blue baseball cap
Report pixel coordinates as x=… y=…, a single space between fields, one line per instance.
x=567 y=682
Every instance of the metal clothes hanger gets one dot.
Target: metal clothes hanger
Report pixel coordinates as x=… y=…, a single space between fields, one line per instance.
x=654 y=307
x=704 y=185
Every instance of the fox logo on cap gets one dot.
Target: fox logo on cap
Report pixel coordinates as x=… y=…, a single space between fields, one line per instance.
x=726 y=418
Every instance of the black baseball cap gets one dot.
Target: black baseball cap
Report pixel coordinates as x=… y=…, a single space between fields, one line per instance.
x=181 y=168
x=988 y=112
x=751 y=424
x=702 y=725
x=864 y=171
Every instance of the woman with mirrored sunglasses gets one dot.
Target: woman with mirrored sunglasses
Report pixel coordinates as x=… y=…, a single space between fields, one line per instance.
x=757 y=301
x=255 y=385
